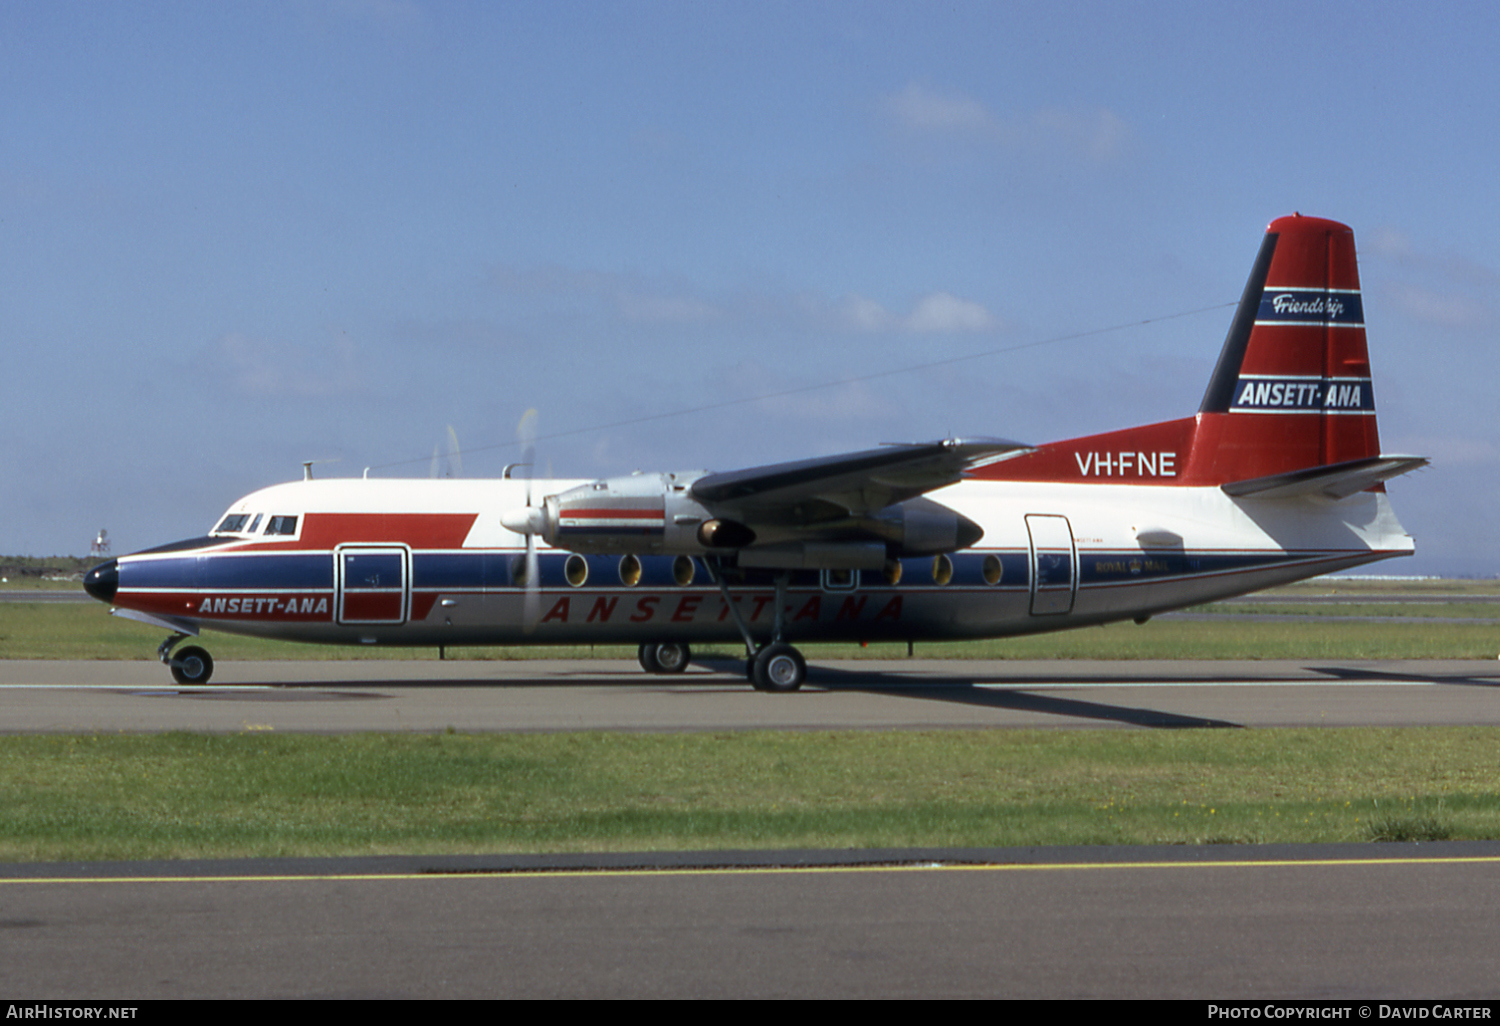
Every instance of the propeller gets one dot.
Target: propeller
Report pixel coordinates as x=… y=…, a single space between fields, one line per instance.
x=526 y=435
x=455 y=457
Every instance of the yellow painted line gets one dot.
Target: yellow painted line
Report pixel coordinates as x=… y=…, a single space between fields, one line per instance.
x=765 y=870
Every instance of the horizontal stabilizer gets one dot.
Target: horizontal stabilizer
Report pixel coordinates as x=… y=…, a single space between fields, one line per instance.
x=1337 y=481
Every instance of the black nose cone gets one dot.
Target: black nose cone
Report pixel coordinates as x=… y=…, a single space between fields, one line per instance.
x=969 y=532
x=103 y=581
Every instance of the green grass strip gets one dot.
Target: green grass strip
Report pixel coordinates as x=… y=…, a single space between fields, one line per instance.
x=256 y=794
x=43 y=631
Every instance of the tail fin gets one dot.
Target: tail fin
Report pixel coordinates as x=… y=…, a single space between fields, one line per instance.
x=1292 y=387
x=1289 y=410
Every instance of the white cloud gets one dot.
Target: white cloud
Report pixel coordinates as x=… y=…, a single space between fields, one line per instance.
x=1445 y=289
x=936 y=313
x=663 y=309
x=1446 y=309
x=919 y=107
x=944 y=312
x=1453 y=450
x=261 y=367
x=863 y=314
x=636 y=298
x=1097 y=134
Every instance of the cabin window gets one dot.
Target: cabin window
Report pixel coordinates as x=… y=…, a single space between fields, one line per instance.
x=630 y=571
x=254 y=523
x=233 y=523
x=576 y=570
x=993 y=570
x=942 y=569
x=282 y=525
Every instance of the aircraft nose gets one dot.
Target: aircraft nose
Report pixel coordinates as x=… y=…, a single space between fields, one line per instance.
x=103 y=581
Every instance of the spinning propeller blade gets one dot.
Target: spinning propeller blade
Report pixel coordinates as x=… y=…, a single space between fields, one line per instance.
x=526 y=433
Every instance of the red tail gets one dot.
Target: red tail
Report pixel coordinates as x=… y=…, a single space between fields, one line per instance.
x=1292 y=388
x=1291 y=391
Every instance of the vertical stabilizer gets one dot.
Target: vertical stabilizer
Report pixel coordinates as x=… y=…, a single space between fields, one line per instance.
x=1289 y=409
x=1292 y=389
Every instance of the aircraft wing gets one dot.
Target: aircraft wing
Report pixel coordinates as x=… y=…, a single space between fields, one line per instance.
x=848 y=485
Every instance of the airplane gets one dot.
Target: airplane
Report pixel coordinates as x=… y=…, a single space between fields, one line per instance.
x=1278 y=477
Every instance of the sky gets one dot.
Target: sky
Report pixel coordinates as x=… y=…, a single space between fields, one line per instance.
x=240 y=235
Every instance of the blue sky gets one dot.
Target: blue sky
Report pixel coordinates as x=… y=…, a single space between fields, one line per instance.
x=236 y=236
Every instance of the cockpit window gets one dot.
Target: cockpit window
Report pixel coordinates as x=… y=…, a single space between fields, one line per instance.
x=244 y=523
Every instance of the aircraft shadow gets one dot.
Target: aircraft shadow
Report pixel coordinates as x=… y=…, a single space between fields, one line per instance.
x=729 y=673
x=966 y=691
x=990 y=691
x=1357 y=673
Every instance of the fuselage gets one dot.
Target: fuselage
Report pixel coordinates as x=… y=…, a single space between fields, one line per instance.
x=428 y=562
x=1279 y=476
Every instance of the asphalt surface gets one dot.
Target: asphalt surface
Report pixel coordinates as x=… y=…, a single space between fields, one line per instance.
x=1355 y=923
x=1359 y=922
x=43 y=695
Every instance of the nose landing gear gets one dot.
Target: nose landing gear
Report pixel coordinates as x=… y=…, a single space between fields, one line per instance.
x=193 y=665
x=669 y=657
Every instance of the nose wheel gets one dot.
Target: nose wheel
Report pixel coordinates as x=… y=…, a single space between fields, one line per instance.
x=192 y=665
x=669 y=657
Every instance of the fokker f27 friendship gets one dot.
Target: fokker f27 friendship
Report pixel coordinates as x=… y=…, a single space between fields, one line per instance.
x=1278 y=477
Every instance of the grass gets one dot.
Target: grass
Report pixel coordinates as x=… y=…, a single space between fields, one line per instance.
x=256 y=794
x=1430 y=609
x=189 y=795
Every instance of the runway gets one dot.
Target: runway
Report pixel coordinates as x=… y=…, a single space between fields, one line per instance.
x=1362 y=922
x=554 y=695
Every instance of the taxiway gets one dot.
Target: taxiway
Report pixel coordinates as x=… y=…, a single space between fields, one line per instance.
x=556 y=694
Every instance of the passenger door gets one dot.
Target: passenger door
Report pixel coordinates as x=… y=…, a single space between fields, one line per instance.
x=372 y=583
x=1054 y=564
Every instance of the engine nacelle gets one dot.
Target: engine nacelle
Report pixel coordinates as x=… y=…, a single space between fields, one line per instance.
x=921 y=527
x=647 y=514
x=655 y=514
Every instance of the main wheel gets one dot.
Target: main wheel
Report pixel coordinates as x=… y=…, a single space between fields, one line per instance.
x=646 y=655
x=779 y=668
x=192 y=665
x=673 y=657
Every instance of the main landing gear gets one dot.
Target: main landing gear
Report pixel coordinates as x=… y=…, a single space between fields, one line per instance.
x=192 y=665
x=775 y=666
